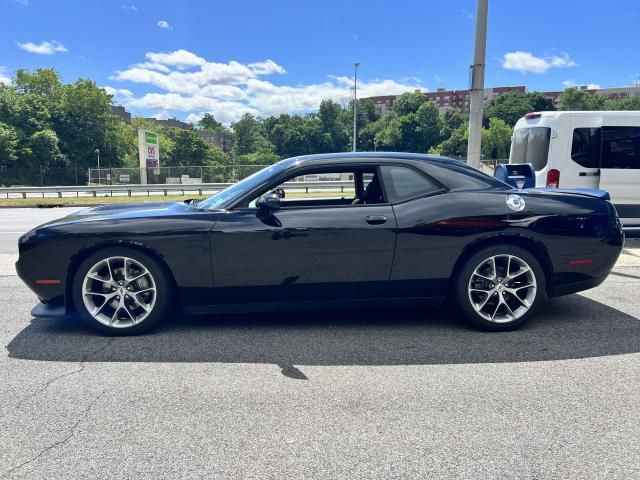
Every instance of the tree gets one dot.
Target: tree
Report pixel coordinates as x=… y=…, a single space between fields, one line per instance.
x=496 y=139
x=409 y=102
x=428 y=129
x=9 y=143
x=248 y=136
x=628 y=103
x=512 y=106
x=450 y=121
x=577 y=99
x=455 y=145
x=334 y=127
x=188 y=148
x=209 y=122
x=45 y=149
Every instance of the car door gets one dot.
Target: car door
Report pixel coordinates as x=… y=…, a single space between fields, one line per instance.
x=336 y=251
x=620 y=170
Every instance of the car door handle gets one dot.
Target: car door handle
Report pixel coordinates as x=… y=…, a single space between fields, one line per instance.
x=589 y=174
x=375 y=219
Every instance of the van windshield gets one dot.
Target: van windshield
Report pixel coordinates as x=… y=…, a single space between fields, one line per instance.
x=531 y=145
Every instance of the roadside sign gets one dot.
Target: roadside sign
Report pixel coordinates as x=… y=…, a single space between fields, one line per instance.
x=149 y=153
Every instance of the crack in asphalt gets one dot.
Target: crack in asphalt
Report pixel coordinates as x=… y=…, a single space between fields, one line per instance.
x=58 y=377
x=83 y=415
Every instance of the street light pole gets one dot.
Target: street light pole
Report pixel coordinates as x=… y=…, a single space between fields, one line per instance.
x=476 y=110
x=355 y=101
x=98 y=155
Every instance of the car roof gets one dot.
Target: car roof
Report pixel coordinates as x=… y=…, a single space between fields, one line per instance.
x=368 y=156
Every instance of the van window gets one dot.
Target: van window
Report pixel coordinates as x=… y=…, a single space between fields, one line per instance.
x=621 y=147
x=585 y=147
x=531 y=145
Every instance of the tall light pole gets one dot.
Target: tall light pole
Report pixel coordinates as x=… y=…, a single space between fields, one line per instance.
x=98 y=155
x=476 y=110
x=355 y=101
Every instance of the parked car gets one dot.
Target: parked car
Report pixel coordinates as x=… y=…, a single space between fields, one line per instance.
x=598 y=150
x=401 y=228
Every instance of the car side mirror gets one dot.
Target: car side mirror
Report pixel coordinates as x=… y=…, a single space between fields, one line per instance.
x=269 y=201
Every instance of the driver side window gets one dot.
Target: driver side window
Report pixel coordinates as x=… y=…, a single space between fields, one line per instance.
x=331 y=187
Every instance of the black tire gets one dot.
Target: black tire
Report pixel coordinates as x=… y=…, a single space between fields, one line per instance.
x=515 y=307
x=158 y=310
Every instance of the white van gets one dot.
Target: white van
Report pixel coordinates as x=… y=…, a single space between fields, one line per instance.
x=584 y=150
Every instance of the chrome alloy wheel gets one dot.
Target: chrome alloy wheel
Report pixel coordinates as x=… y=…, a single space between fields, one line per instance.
x=502 y=288
x=119 y=292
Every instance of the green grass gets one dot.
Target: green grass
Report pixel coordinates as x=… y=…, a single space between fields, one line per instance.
x=71 y=202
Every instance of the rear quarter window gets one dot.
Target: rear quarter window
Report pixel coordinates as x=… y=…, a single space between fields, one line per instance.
x=404 y=183
x=459 y=176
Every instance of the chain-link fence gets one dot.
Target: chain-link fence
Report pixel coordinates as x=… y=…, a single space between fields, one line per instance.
x=40 y=177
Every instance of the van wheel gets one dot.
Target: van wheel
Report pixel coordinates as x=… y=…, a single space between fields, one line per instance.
x=499 y=288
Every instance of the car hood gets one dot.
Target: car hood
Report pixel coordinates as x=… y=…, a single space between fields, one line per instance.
x=123 y=212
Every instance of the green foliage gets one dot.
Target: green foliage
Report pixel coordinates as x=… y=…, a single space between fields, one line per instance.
x=248 y=136
x=628 y=103
x=408 y=103
x=209 y=122
x=577 y=99
x=9 y=143
x=455 y=145
x=451 y=120
x=512 y=106
x=496 y=139
x=187 y=148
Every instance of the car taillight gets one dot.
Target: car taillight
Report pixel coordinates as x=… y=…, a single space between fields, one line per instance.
x=553 y=178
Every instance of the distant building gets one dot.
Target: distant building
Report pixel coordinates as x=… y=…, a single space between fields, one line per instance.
x=121 y=113
x=459 y=99
x=218 y=139
x=447 y=99
x=170 y=122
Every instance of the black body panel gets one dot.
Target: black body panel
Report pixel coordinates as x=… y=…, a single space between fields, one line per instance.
x=234 y=257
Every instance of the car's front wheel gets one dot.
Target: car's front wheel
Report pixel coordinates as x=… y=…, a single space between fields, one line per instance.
x=121 y=291
x=500 y=287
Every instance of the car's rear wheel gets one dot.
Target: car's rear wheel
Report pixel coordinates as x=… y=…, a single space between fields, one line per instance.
x=121 y=291
x=500 y=287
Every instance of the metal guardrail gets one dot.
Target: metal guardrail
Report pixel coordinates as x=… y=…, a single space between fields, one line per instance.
x=183 y=189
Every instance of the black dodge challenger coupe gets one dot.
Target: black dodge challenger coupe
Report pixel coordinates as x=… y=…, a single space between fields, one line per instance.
x=410 y=228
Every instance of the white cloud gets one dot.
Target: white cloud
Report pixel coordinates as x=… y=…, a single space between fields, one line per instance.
x=266 y=68
x=3 y=76
x=22 y=2
x=192 y=85
x=573 y=83
x=120 y=95
x=524 y=62
x=44 y=48
x=179 y=58
x=467 y=14
x=164 y=24
x=131 y=8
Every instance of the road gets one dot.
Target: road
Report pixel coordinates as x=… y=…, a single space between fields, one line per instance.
x=382 y=394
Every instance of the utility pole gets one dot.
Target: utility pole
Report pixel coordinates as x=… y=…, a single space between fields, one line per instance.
x=474 y=147
x=355 y=101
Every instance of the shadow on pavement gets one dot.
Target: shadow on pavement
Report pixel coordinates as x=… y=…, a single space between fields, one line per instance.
x=569 y=327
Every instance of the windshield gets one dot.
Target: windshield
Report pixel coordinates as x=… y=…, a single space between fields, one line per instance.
x=227 y=196
x=531 y=145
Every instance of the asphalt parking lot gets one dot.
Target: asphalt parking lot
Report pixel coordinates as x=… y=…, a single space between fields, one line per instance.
x=382 y=394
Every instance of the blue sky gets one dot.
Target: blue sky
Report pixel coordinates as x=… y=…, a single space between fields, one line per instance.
x=184 y=58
